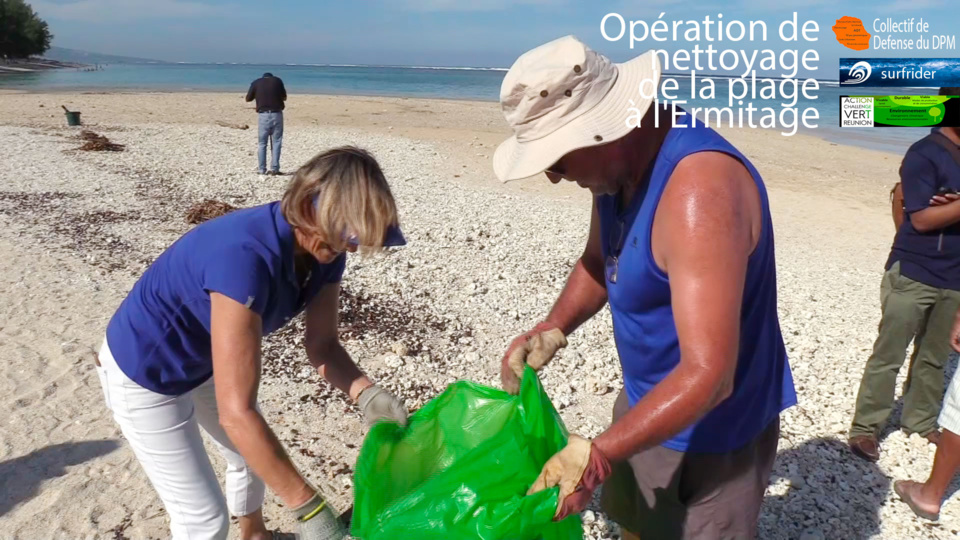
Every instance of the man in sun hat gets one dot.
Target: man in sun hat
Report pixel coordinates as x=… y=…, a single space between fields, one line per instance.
x=681 y=247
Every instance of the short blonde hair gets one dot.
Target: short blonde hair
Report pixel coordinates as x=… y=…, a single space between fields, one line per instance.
x=338 y=193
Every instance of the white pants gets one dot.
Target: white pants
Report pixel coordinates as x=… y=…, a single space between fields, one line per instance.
x=950 y=413
x=165 y=436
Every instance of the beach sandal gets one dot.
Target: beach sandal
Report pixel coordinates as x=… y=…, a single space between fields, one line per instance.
x=902 y=493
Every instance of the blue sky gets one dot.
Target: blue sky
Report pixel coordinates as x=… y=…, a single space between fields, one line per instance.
x=428 y=32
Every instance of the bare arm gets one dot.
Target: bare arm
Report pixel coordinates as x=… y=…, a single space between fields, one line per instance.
x=704 y=232
x=955 y=333
x=235 y=335
x=935 y=218
x=585 y=292
x=323 y=344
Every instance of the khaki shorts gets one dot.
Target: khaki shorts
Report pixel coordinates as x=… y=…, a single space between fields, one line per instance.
x=664 y=494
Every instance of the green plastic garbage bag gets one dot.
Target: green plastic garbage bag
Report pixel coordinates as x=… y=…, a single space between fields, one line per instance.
x=461 y=469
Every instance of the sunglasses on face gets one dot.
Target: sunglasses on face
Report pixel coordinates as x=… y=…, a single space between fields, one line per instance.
x=393 y=238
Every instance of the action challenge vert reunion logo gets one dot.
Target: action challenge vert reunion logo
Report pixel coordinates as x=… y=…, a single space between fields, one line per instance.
x=910 y=37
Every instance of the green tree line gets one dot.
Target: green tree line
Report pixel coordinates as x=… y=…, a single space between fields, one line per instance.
x=22 y=32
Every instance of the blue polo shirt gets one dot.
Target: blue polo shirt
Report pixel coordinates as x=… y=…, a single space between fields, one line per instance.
x=932 y=258
x=160 y=335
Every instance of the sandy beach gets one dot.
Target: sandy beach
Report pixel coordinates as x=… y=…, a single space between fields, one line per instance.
x=484 y=262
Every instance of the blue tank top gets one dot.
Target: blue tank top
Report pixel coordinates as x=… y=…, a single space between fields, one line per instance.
x=643 y=325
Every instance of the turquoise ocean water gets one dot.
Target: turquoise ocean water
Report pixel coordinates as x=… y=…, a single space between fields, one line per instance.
x=446 y=83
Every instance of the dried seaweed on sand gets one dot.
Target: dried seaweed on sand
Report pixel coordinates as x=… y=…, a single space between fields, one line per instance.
x=98 y=143
x=221 y=123
x=206 y=210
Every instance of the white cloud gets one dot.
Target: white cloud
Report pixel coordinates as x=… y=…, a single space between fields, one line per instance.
x=124 y=10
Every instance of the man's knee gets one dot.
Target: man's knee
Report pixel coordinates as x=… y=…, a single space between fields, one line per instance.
x=713 y=522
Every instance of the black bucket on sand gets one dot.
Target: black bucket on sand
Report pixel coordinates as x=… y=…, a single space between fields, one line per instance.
x=73 y=117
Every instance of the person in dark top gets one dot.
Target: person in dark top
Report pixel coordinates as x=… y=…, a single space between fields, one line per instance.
x=920 y=293
x=270 y=95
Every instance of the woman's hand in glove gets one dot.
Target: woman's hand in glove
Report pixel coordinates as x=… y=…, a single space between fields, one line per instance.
x=378 y=404
x=316 y=520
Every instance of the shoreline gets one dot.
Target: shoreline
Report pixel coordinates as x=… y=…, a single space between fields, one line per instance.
x=21 y=67
x=87 y=90
x=831 y=137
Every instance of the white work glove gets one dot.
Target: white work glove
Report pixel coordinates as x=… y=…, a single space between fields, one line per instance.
x=378 y=404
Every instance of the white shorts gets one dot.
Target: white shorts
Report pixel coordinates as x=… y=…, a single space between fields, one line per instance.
x=950 y=413
x=164 y=433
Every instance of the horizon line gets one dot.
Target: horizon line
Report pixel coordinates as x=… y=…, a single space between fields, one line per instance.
x=403 y=66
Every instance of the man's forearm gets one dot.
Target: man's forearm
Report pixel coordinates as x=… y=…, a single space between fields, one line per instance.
x=936 y=217
x=260 y=447
x=583 y=296
x=335 y=365
x=682 y=398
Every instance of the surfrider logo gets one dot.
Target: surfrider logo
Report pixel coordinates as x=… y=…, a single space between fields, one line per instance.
x=927 y=72
x=860 y=72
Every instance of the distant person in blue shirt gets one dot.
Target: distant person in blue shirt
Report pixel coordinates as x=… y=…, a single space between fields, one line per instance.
x=919 y=294
x=271 y=97
x=681 y=248
x=183 y=351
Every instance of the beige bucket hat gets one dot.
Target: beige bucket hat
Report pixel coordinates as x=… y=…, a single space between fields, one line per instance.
x=563 y=96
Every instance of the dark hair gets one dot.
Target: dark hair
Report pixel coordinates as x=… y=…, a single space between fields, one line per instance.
x=268 y=74
x=950 y=91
